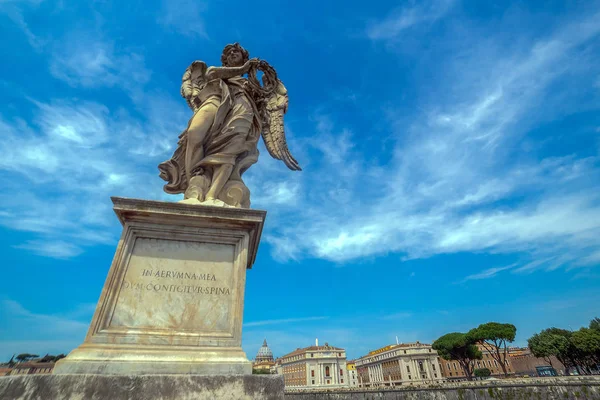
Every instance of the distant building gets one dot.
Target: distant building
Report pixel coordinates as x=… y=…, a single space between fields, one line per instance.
x=399 y=364
x=264 y=361
x=5 y=371
x=352 y=376
x=453 y=371
x=314 y=366
x=29 y=368
x=525 y=363
x=264 y=353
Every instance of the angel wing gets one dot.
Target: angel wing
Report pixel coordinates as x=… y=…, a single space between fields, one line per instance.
x=191 y=82
x=273 y=129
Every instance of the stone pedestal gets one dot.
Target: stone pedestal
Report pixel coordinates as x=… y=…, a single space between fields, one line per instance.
x=174 y=296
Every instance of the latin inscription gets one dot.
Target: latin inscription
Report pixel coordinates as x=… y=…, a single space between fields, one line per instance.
x=177 y=285
x=178 y=275
x=192 y=289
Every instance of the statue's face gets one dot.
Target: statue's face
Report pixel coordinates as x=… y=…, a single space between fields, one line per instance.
x=235 y=58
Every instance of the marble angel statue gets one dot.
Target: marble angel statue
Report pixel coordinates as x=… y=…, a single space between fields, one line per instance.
x=220 y=141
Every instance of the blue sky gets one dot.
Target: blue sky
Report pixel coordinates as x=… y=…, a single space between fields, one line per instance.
x=450 y=152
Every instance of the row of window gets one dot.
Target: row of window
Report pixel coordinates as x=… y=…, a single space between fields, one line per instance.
x=328 y=382
x=327 y=373
x=303 y=356
x=480 y=364
x=388 y=355
x=312 y=355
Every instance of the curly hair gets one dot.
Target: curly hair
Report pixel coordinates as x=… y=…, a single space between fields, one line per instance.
x=245 y=54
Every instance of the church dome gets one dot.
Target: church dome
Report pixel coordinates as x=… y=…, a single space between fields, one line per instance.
x=264 y=353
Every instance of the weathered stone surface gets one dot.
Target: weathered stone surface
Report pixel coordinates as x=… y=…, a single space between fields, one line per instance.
x=143 y=387
x=547 y=388
x=169 y=272
x=174 y=296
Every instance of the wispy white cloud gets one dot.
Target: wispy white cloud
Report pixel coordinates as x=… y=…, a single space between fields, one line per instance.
x=184 y=17
x=53 y=249
x=14 y=10
x=416 y=13
x=275 y=193
x=282 y=321
x=534 y=265
x=46 y=323
x=85 y=60
x=79 y=154
x=21 y=2
x=585 y=275
x=589 y=260
x=458 y=180
x=334 y=147
x=488 y=273
x=45 y=333
x=83 y=57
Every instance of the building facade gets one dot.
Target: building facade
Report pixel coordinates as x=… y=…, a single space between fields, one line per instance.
x=30 y=368
x=453 y=371
x=399 y=364
x=351 y=374
x=524 y=362
x=314 y=366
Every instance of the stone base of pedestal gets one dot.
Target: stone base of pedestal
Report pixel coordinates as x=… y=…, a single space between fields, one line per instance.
x=154 y=360
x=141 y=387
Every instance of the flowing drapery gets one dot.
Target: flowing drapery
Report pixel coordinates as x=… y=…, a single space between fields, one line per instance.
x=231 y=138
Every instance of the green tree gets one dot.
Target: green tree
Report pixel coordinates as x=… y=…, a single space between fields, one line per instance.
x=25 y=357
x=494 y=337
x=459 y=347
x=587 y=344
x=545 y=345
x=580 y=349
x=47 y=358
x=556 y=342
x=11 y=362
x=261 y=372
x=569 y=356
x=482 y=372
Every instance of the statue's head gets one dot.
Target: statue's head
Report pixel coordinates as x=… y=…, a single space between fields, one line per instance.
x=234 y=55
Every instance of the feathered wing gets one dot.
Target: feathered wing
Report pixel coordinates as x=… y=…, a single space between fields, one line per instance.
x=190 y=83
x=273 y=129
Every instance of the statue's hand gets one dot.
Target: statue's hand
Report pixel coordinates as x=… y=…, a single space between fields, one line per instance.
x=251 y=63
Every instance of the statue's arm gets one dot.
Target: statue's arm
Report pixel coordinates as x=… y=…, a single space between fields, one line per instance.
x=229 y=72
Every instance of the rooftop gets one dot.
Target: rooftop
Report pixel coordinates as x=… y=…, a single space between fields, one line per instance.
x=25 y=365
x=400 y=345
x=313 y=348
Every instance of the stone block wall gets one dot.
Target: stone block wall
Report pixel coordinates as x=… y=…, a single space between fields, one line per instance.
x=144 y=387
x=543 y=389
